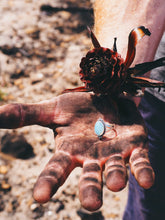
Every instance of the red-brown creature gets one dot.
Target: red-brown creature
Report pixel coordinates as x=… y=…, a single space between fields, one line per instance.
x=103 y=71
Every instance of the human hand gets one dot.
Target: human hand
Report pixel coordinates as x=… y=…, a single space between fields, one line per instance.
x=72 y=117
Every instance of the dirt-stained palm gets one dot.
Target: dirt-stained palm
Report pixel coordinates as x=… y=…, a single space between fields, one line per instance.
x=72 y=116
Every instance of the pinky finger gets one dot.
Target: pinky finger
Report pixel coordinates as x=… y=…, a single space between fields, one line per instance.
x=141 y=168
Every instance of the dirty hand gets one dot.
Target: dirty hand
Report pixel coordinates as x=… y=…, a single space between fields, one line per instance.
x=72 y=117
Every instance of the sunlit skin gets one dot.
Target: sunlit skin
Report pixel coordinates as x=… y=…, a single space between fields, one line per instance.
x=72 y=116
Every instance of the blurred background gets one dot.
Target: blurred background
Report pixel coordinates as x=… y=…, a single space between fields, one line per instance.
x=41 y=45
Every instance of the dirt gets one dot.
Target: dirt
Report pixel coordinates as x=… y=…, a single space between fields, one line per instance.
x=41 y=45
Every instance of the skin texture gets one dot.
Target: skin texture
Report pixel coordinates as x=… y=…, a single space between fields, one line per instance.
x=72 y=117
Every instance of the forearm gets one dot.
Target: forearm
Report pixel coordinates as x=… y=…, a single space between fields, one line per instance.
x=114 y=18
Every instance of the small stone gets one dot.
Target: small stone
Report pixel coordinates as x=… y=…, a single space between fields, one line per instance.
x=8 y=97
x=5 y=186
x=19 y=83
x=66 y=15
x=37 y=78
x=60 y=207
x=34 y=206
x=30 y=202
x=49 y=213
x=112 y=215
x=16 y=146
x=33 y=32
x=3 y=169
x=38 y=210
x=116 y=198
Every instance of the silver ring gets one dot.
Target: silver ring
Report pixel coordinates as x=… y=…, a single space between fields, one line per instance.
x=101 y=127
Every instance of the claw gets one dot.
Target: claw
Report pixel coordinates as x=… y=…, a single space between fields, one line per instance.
x=95 y=42
x=140 y=69
x=78 y=89
x=114 y=45
x=134 y=37
x=145 y=82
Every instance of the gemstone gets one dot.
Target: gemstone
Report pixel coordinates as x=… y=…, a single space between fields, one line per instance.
x=100 y=128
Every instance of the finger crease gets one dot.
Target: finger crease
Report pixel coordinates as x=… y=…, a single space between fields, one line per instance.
x=139 y=160
x=111 y=173
x=91 y=168
x=115 y=166
x=91 y=179
x=137 y=156
x=115 y=158
x=142 y=164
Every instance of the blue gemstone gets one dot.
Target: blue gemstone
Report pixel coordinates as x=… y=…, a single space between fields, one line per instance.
x=100 y=128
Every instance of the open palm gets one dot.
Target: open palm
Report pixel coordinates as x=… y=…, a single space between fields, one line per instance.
x=72 y=117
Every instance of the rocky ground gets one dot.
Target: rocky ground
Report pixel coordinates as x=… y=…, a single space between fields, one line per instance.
x=41 y=45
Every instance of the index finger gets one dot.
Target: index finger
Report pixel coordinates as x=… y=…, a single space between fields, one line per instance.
x=53 y=176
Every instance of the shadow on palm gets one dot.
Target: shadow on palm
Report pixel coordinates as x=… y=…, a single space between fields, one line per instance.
x=77 y=144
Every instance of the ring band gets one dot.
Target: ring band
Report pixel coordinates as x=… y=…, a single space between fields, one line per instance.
x=101 y=127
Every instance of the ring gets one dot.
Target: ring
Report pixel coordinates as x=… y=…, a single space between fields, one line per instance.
x=101 y=127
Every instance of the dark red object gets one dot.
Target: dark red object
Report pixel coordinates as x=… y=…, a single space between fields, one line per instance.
x=103 y=71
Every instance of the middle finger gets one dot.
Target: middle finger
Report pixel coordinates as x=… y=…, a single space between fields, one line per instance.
x=90 y=186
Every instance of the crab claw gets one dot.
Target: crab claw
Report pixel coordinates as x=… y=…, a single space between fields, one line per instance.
x=145 y=82
x=78 y=89
x=140 y=69
x=95 y=42
x=134 y=37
